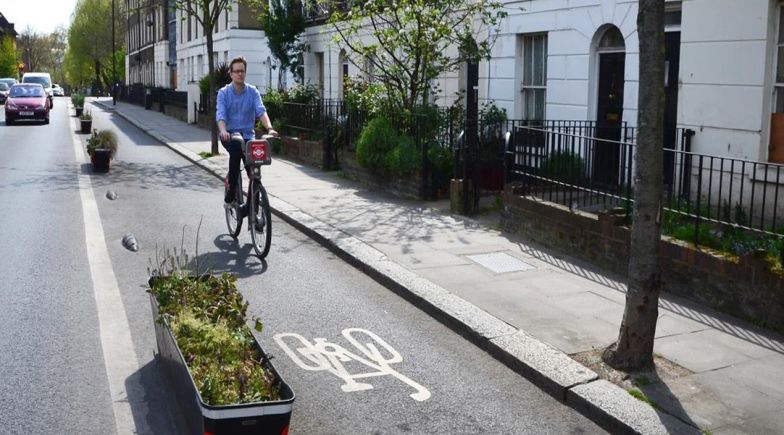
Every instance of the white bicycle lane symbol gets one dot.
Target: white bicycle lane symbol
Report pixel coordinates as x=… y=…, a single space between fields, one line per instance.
x=323 y=355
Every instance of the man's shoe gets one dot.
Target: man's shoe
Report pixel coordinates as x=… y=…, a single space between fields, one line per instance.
x=244 y=210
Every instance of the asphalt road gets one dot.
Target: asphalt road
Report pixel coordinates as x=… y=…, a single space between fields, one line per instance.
x=424 y=379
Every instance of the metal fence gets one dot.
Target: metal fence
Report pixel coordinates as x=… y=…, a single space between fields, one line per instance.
x=433 y=132
x=579 y=166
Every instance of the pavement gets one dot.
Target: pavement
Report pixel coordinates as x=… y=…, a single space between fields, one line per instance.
x=544 y=314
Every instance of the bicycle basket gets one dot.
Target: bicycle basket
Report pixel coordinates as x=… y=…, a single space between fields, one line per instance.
x=257 y=152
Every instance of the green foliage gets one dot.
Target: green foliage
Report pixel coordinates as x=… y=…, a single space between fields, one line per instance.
x=407 y=47
x=403 y=159
x=639 y=395
x=8 y=58
x=283 y=23
x=208 y=318
x=364 y=96
x=221 y=75
x=563 y=166
x=88 y=56
x=490 y=114
x=382 y=148
x=273 y=101
x=86 y=116
x=77 y=99
x=304 y=94
x=376 y=141
x=103 y=139
x=729 y=239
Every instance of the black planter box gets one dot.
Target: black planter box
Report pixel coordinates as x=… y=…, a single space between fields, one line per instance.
x=86 y=125
x=248 y=418
x=101 y=159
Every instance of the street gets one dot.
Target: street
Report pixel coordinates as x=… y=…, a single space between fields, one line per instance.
x=61 y=370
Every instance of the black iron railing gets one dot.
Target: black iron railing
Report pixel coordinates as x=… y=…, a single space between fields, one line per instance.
x=578 y=166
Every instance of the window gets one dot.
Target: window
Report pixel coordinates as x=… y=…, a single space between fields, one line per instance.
x=776 y=147
x=778 y=87
x=534 y=86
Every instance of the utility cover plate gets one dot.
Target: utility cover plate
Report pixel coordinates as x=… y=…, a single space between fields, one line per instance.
x=500 y=262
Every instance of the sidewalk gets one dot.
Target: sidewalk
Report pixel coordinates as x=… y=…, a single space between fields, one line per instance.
x=538 y=311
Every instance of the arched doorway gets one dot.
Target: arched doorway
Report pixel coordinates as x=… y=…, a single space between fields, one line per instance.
x=611 y=60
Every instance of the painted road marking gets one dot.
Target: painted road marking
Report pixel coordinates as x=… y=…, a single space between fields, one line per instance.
x=118 y=352
x=323 y=355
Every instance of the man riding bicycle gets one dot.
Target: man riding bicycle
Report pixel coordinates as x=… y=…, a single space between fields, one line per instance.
x=239 y=107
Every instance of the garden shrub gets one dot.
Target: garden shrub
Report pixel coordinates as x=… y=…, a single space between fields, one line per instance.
x=403 y=159
x=377 y=139
x=563 y=166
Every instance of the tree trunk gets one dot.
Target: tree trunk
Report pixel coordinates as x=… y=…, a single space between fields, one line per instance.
x=213 y=85
x=634 y=348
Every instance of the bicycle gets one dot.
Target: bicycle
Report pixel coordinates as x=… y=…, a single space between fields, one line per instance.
x=256 y=154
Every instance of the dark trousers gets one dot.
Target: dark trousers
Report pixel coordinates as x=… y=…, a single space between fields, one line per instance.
x=234 y=147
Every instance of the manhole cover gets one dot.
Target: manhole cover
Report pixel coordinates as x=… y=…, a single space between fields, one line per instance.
x=500 y=262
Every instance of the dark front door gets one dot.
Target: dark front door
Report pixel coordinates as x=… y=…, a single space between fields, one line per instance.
x=609 y=117
x=672 y=53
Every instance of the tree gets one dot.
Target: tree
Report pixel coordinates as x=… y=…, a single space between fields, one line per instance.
x=207 y=13
x=282 y=22
x=8 y=59
x=634 y=348
x=410 y=43
x=89 y=53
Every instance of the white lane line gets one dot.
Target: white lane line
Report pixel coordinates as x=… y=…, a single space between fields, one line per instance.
x=118 y=352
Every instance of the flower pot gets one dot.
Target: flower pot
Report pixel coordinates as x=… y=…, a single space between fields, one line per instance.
x=270 y=417
x=101 y=160
x=78 y=111
x=87 y=125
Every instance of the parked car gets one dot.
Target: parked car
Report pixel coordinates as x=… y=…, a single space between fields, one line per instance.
x=27 y=101
x=42 y=78
x=4 y=89
x=57 y=91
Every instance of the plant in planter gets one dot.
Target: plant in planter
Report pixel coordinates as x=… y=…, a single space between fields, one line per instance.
x=77 y=100
x=102 y=146
x=86 y=121
x=223 y=380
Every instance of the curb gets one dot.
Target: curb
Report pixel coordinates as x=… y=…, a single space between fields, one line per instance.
x=575 y=385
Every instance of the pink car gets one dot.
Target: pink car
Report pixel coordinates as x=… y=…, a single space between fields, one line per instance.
x=26 y=101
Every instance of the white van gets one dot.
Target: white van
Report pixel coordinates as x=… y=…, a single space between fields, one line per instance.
x=43 y=79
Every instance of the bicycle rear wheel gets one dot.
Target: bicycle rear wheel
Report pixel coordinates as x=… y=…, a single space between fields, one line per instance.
x=260 y=221
x=233 y=216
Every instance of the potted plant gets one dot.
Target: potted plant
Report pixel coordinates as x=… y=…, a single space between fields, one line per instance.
x=223 y=380
x=101 y=147
x=86 y=121
x=77 y=100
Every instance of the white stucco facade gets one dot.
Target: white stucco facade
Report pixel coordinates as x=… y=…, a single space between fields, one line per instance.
x=232 y=38
x=726 y=65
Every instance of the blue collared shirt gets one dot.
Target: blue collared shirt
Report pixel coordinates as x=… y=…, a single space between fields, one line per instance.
x=239 y=111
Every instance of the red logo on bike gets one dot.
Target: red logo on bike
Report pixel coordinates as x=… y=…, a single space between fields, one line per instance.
x=258 y=150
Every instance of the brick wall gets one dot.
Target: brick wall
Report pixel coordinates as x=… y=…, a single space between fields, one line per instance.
x=308 y=152
x=408 y=187
x=744 y=287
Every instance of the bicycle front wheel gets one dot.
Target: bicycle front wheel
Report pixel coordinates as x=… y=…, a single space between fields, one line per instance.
x=233 y=215
x=261 y=220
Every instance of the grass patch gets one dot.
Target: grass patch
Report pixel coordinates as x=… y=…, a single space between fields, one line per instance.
x=642 y=381
x=206 y=154
x=639 y=395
